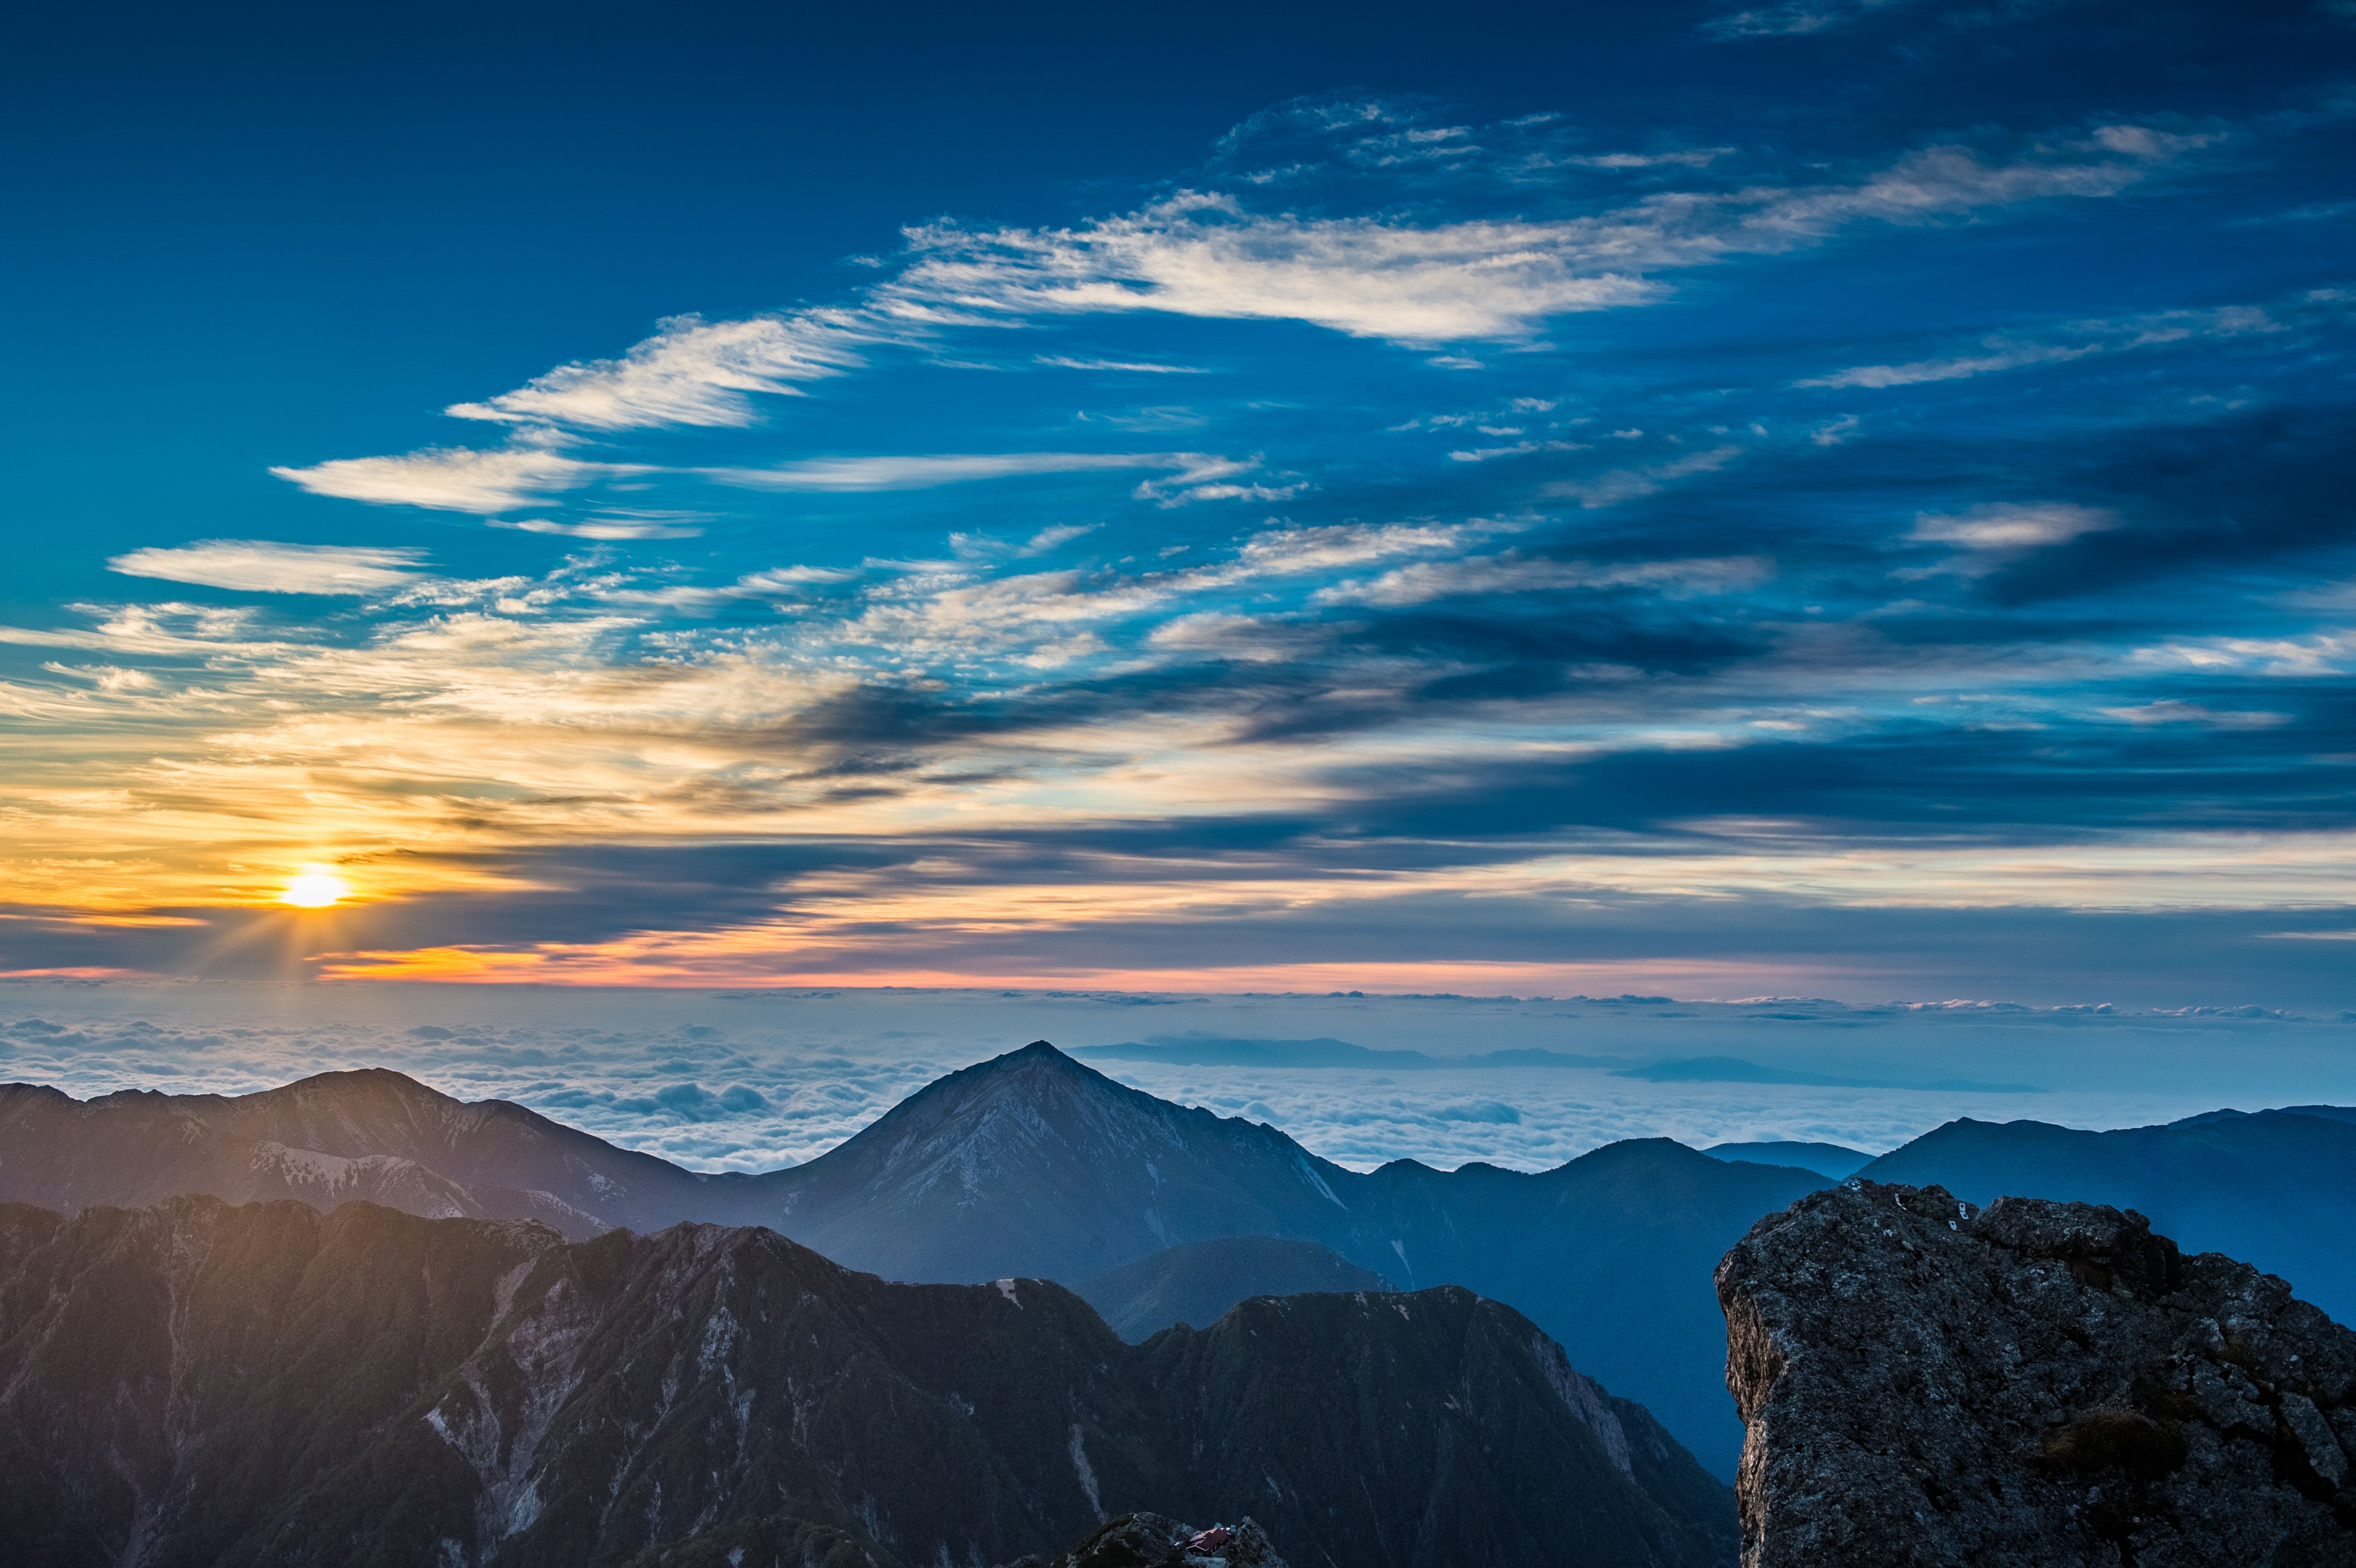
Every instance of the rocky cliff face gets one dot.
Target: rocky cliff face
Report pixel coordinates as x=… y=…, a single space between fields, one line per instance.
x=193 y=1384
x=2030 y=1385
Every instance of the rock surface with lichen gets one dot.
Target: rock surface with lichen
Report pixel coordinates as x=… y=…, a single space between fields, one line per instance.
x=2030 y=1385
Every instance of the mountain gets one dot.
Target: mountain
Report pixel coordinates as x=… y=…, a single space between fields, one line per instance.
x=1831 y=1161
x=2275 y=1188
x=2033 y=1385
x=1027 y=1164
x=373 y=1135
x=1035 y=1164
x=194 y=1383
x=1196 y=1282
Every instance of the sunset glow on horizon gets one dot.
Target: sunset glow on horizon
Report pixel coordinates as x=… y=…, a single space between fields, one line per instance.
x=317 y=888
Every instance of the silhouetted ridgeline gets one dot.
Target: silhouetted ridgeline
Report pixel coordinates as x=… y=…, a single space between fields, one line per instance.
x=193 y=1384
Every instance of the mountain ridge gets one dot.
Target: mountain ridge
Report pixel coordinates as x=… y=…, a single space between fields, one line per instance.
x=196 y=1382
x=1609 y=1254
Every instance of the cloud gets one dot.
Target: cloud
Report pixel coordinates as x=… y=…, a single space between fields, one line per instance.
x=693 y=372
x=258 y=566
x=2006 y=527
x=1206 y=254
x=1064 y=362
x=2099 y=337
x=1799 y=17
x=455 y=478
x=1480 y=575
x=855 y=474
x=602 y=528
x=1609 y=490
x=2172 y=712
x=2007 y=357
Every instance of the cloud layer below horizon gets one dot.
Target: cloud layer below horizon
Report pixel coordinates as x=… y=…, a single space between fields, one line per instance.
x=753 y=1081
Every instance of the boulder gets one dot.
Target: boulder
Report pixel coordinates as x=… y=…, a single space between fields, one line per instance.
x=2033 y=1385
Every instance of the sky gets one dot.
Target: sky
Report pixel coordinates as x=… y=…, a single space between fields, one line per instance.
x=1834 y=498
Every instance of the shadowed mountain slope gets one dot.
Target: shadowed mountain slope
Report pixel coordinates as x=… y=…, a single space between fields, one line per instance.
x=192 y=1384
x=1196 y=1282
x=2277 y=1189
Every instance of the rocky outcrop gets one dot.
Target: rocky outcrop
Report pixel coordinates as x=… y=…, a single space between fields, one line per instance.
x=1151 y=1541
x=193 y=1384
x=2031 y=1385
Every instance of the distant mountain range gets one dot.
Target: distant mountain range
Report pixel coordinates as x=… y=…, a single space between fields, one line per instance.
x=1028 y=1164
x=1831 y=1161
x=191 y=1385
x=2277 y=1189
x=1034 y=1165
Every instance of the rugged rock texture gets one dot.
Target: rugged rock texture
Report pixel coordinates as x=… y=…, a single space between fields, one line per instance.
x=1197 y=1283
x=1150 y=1540
x=2031 y=1385
x=194 y=1384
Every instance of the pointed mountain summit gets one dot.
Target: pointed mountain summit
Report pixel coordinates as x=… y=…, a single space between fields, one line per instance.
x=1036 y=1165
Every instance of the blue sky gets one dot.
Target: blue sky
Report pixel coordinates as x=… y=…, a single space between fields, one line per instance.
x=1845 y=500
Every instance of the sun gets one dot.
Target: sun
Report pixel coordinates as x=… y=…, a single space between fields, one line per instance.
x=316 y=888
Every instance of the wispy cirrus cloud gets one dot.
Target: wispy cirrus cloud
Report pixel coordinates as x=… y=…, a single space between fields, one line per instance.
x=263 y=567
x=455 y=479
x=2156 y=329
x=1481 y=576
x=691 y=372
x=1208 y=254
x=1799 y=18
x=922 y=473
x=1614 y=486
x=2004 y=528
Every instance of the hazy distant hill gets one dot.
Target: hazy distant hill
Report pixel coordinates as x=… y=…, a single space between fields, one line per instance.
x=373 y=1135
x=194 y=1384
x=2277 y=1189
x=1197 y=1282
x=1831 y=1161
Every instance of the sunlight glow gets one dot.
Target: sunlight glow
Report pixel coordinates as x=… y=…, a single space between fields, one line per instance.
x=317 y=888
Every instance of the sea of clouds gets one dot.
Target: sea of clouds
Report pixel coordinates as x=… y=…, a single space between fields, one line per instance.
x=752 y=1081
